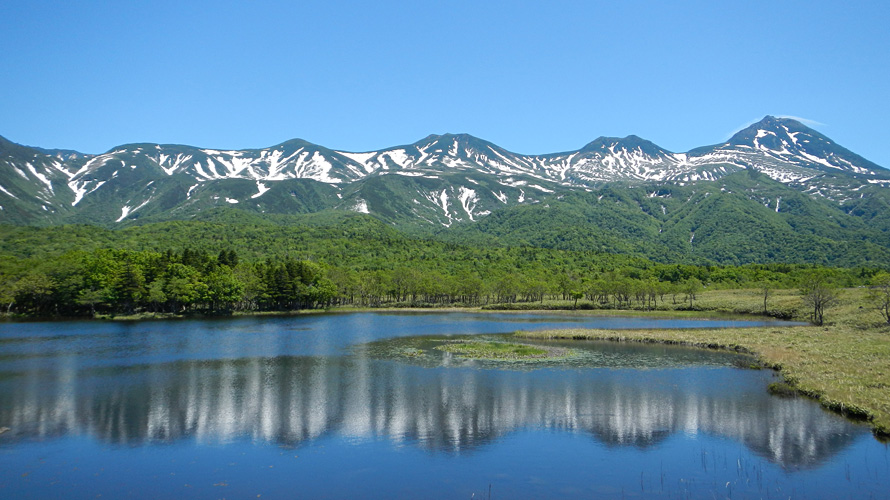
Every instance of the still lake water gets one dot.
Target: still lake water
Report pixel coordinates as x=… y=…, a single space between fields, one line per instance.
x=325 y=406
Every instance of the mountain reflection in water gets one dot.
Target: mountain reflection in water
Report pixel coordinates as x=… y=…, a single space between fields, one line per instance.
x=295 y=399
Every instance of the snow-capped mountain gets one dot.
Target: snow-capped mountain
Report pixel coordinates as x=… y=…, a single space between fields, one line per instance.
x=441 y=179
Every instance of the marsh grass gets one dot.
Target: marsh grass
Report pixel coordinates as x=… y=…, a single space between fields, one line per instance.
x=844 y=364
x=501 y=350
x=781 y=389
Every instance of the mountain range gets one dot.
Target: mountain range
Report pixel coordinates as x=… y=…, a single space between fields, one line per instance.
x=774 y=187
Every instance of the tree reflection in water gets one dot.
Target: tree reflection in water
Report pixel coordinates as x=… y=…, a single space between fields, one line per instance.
x=451 y=410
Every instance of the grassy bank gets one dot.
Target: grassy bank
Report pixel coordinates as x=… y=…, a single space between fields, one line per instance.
x=783 y=304
x=845 y=364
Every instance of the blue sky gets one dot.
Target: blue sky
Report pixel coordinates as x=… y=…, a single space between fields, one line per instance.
x=533 y=77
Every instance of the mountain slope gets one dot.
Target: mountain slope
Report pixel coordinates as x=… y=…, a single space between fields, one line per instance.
x=776 y=190
x=738 y=220
x=39 y=186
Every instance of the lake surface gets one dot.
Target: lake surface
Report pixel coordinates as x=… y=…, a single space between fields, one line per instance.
x=329 y=406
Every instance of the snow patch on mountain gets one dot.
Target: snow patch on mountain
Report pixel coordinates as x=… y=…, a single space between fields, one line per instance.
x=360 y=158
x=125 y=210
x=79 y=189
x=261 y=189
x=468 y=200
x=361 y=206
x=171 y=165
x=236 y=164
x=201 y=173
x=7 y=192
x=440 y=200
x=41 y=177
x=398 y=157
x=511 y=182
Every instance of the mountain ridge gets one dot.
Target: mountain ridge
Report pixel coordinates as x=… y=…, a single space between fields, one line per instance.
x=451 y=181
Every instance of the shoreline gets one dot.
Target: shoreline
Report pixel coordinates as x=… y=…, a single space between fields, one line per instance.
x=843 y=387
x=742 y=304
x=700 y=314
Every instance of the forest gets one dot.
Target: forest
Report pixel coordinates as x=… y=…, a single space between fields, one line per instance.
x=228 y=267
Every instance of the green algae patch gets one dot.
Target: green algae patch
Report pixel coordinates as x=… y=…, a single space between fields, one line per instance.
x=508 y=351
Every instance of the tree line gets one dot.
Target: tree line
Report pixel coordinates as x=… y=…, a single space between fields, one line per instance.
x=123 y=282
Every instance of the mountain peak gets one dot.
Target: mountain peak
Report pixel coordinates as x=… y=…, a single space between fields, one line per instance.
x=447 y=141
x=770 y=119
x=8 y=147
x=776 y=124
x=294 y=144
x=448 y=136
x=789 y=140
x=628 y=143
x=772 y=132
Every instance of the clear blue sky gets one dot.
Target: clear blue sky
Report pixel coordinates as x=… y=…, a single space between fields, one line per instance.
x=533 y=77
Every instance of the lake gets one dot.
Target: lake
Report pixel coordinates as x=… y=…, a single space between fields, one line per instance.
x=364 y=406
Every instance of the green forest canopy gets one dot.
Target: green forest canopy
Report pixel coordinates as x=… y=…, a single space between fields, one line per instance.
x=253 y=263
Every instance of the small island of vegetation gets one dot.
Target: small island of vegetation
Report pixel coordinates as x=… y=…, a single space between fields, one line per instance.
x=503 y=351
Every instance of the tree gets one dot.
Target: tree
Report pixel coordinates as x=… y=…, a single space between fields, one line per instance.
x=184 y=287
x=505 y=288
x=155 y=295
x=691 y=287
x=468 y=286
x=651 y=288
x=34 y=291
x=372 y=286
x=818 y=293
x=766 y=288
x=7 y=293
x=223 y=289
x=91 y=297
x=227 y=258
x=129 y=287
x=323 y=292
x=576 y=295
x=598 y=291
x=347 y=282
x=879 y=294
